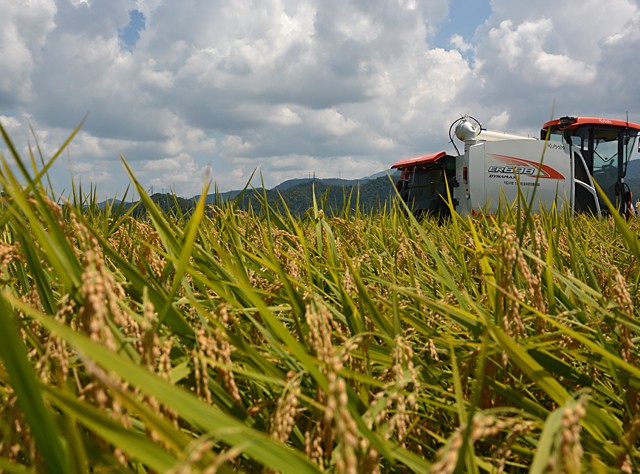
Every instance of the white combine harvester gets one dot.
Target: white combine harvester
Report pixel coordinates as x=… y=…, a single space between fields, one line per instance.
x=558 y=168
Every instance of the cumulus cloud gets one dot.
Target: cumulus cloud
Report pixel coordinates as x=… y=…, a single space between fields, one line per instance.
x=530 y=57
x=458 y=42
x=293 y=87
x=11 y=124
x=23 y=32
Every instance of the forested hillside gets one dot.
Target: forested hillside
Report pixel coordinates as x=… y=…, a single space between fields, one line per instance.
x=367 y=196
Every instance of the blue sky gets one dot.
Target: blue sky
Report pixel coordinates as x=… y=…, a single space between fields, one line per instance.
x=220 y=88
x=130 y=34
x=463 y=19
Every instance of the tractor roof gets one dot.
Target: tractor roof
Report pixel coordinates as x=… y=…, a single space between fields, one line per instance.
x=574 y=122
x=418 y=160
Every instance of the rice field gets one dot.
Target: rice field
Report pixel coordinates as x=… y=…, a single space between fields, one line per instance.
x=233 y=341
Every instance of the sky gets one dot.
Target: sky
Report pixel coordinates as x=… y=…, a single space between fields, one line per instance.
x=193 y=90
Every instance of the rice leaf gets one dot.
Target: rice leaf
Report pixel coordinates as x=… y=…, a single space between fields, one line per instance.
x=30 y=399
x=257 y=445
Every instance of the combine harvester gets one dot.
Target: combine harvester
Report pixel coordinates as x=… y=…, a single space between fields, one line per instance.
x=558 y=168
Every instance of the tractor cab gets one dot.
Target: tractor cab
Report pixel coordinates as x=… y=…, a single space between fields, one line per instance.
x=601 y=149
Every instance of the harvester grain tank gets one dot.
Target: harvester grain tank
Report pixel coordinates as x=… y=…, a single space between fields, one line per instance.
x=557 y=168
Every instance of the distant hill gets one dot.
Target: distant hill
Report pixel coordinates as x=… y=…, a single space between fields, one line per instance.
x=332 y=194
x=328 y=181
x=165 y=201
x=380 y=174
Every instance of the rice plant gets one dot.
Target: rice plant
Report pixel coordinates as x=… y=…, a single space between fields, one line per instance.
x=229 y=341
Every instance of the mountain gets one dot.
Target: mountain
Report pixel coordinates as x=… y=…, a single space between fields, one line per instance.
x=332 y=195
x=169 y=203
x=330 y=181
x=394 y=174
x=216 y=198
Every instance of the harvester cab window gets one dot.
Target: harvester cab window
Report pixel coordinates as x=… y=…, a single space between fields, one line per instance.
x=606 y=166
x=554 y=136
x=605 y=152
x=630 y=144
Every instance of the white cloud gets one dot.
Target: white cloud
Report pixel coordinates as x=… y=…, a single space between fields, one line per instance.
x=89 y=173
x=175 y=173
x=499 y=121
x=284 y=115
x=563 y=70
x=331 y=122
x=24 y=27
x=529 y=57
x=293 y=87
x=234 y=145
x=458 y=42
x=521 y=49
x=11 y=124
